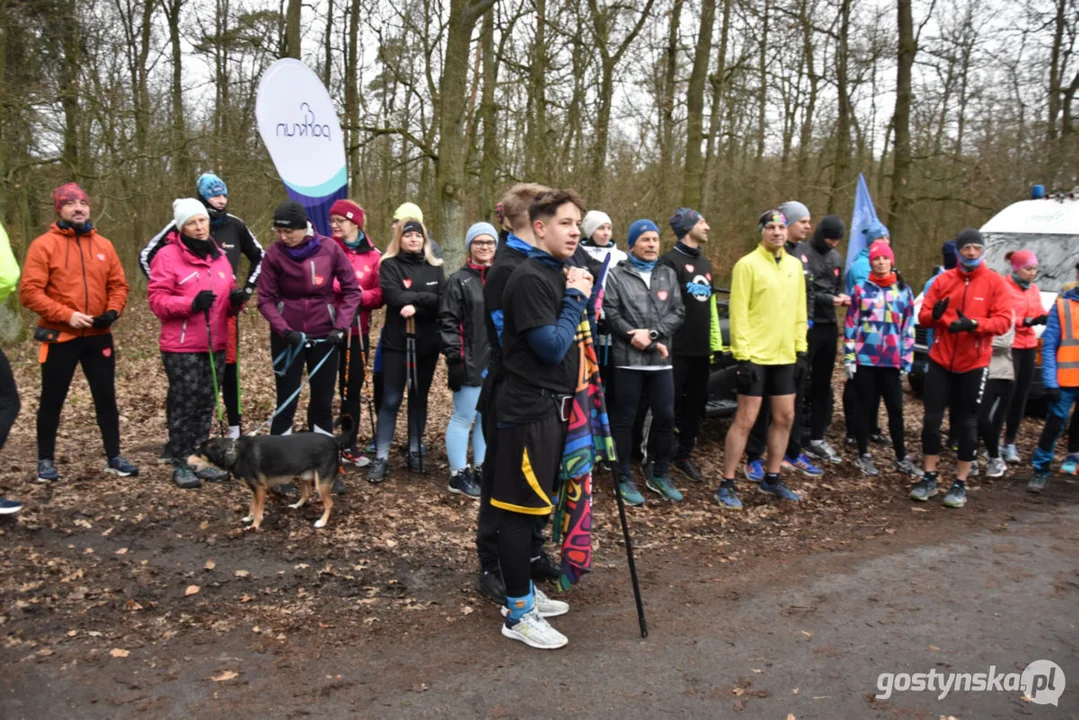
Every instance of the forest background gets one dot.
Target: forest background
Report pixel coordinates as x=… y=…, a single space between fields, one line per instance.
x=951 y=108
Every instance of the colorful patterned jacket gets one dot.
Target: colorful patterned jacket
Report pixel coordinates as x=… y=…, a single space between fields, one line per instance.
x=879 y=328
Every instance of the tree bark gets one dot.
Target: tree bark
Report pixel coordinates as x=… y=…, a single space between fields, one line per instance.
x=841 y=167
x=899 y=206
x=691 y=193
x=536 y=133
x=488 y=115
x=666 y=98
x=180 y=158
x=292 y=29
x=352 y=105
x=718 y=85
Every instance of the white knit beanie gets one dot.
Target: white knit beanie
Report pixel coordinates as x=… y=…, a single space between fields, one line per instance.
x=183 y=209
x=592 y=220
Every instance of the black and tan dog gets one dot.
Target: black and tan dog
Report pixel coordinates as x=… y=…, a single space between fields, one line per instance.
x=266 y=461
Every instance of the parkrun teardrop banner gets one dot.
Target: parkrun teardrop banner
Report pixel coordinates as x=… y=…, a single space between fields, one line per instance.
x=298 y=123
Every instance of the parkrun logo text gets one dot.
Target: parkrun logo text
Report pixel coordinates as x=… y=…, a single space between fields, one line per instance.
x=307 y=127
x=1041 y=682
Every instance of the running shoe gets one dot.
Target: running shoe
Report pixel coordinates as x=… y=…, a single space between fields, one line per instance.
x=997 y=467
x=802 y=464
x=185 y=478
x=663 y=486
x=780 y=490
x=490 y=585
x=688 y=467
x=1071 y=464
x=545 y=568
x=533 y=630
x=907 y=467
x=462 y=483
x=354 y=456
x=1011 y=455
x=378 y=470
x=9 y=507
x=957 y=495
x=630 y=494
x=726 y=496
x=865 y=464
x=46 y=471
x=821 y=450
x=754 y=470
x=1038 y=481
x=545 y=606
x=924 y=489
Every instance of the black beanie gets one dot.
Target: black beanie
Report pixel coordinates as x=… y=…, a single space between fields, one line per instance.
x=830 y=227
x=969 y=236
x=413 y=226
x=290 y=215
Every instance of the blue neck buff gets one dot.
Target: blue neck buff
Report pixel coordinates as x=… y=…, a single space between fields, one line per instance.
x=543 y=256
x=970 y=265
x=642 y=265
x=517 y=244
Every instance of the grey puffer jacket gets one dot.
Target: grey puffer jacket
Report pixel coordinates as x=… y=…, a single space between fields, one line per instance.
x=630 y=304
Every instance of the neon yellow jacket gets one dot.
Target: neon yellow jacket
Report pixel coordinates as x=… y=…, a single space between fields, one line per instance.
x=9 y=268
x=768 y=308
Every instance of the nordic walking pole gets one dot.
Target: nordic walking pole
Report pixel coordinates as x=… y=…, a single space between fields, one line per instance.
x=213 y=373
x=410 y=366
x=629 y=555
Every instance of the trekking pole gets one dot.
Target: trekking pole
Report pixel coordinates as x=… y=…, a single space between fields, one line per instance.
x=413 y=385
x=239 y=394
x=629 y=554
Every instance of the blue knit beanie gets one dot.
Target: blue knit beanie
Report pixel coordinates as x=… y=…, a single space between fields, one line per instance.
x=640 y=227
x=210 y=185
x=875 y=230
x=480 y=228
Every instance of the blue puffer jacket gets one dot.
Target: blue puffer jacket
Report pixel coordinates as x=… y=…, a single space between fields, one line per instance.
x=1051 y=341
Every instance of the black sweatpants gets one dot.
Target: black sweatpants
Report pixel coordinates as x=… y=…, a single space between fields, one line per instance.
x=350 y=384
x=656 y=387
x=189 y=405
x=870 y=384
x=690 y=399
x=395 y=377
x=1023 y=363
x=321 y=386
x=822 y=339
x=757 y=443
x=230 y=389
x=995 y=404
x=9 y=399
x=98 y=359
x=962 y=394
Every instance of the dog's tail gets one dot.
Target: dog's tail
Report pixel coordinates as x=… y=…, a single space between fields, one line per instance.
x=344 y=427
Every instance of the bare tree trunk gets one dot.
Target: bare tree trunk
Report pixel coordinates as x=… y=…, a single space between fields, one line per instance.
x=328 y=45
x=352 y=105
x=899 y=205
x=762 y=72
x=181 y=163
x=293 y=16
x=69 y=91
x=666 y=99
x=718 y=81
x=841 y=168
x=452 y=145
x=691 y=189
x=536 y=134
x=805 y=135
x=488 y=115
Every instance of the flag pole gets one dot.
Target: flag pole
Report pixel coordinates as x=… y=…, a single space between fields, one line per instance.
x=629 y=555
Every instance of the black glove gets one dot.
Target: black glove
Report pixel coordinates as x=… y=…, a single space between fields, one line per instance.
x=105 y=319
x=1031 y=322
x=963 y=324
x=747 y=376
x=203 y=301
x=1053 y=394
x=336 y=337
x=801 y=363
x=237 y=298
x=456 y=375
x=294 y=337
x=939 y=307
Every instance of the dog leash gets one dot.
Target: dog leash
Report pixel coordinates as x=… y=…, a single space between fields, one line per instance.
x=213 y=372
x=289 y=355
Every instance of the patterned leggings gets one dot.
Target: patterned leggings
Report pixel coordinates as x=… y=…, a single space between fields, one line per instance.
x=190 y=404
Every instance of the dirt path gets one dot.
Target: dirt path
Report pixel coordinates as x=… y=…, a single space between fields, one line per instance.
x=802 y=631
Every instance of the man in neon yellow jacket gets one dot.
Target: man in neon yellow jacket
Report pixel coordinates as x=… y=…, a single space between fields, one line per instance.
x=768 y=339
x=9 y=393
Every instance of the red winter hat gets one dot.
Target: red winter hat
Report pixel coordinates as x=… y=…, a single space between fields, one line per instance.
x=881 y=249
x=348 y=209
x=68 y=193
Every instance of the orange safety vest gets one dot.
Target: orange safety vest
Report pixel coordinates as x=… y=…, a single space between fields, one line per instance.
x=1068 y=351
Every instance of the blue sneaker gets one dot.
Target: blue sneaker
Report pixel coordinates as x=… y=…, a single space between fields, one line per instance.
x=754 y=470
x=1038 y=481
x=46 y=471
x=664 y=487
x=924 y=489
x=9 y=507
x=726 y=497
x=120 y=466
x=630 y=494
x=957 y=495
x=1071 y=465
x=780 y=490
x=802 y=463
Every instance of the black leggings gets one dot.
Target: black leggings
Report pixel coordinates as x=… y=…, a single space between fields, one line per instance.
x=657 y=386
x=962 y=393
x=350 y=385
x=189 y=405
x=9 y=399
x=822 y=340
x=1023 y=362
x=320 y=406
x=870 y=385
x=230 y=389
x=98 y=359
x=690 y=398
x=396 y=379
x=998 y=393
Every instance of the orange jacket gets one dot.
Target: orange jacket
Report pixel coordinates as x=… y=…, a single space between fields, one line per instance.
x=63 y=273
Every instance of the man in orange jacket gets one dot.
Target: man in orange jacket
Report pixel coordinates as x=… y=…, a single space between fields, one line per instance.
x=73 y=280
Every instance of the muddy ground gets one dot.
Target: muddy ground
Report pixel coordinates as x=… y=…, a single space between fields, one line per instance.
x=124 y=598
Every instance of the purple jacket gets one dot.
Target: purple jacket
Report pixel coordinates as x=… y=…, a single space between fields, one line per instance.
x=299 y=294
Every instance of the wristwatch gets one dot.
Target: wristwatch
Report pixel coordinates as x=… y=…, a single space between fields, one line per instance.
x=653 y=335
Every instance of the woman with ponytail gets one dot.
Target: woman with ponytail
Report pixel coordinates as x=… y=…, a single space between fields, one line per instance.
x=1028 y=313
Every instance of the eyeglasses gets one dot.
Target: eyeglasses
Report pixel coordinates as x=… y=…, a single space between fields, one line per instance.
x=483 y=243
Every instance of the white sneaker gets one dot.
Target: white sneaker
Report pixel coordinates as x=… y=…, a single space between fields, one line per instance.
x=544 y=605
x=533 y=630
x=997 y=468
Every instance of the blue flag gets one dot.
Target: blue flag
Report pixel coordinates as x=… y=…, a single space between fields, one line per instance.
x=864 y=215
